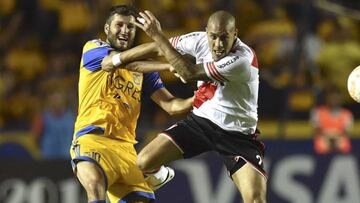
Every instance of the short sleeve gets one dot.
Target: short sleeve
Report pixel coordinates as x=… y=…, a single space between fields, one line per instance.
x=92 y=58
x=230 y=68
x=152 y=82
x=186 y=44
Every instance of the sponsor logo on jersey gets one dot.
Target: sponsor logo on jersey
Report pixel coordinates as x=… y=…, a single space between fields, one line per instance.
x=228 y=62
x=126 y=87
x=188 y=36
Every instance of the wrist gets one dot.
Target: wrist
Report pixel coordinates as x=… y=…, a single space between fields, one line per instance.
x=157 y=37
x=115 y=60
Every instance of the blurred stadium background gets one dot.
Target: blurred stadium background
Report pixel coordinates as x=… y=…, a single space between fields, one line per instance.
x=304 y=47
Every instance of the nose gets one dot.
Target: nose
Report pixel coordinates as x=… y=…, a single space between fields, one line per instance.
x=218 y=43
x=124 y=29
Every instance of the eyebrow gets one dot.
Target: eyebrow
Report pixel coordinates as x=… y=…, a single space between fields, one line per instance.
x=219 y=34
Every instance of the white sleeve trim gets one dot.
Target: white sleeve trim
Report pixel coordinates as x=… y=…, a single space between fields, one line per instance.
x=174 y=41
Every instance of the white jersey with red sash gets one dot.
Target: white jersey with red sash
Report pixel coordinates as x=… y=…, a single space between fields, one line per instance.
x=230 y=99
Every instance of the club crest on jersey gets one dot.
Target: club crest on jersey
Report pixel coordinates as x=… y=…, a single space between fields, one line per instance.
x=137 y=78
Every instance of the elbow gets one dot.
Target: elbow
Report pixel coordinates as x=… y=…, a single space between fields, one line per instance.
x=189 y=77
x=179 y=111
x=185 y=77
x=171 y=111
x=174 y=113
x=189 y=73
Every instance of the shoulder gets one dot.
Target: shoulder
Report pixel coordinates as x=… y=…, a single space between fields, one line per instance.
x=241 y=49
x=189 y=43
x=193 y=36
x=95 y=43
x=244 y=51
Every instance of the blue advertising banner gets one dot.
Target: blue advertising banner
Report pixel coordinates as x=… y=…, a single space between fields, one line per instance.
x=296 y=175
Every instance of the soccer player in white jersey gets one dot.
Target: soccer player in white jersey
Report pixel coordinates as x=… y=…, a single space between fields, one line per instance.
x=224 y=118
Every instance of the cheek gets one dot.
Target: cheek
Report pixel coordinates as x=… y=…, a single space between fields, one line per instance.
x=229 y=45
x=112 y=32
x=132 y=34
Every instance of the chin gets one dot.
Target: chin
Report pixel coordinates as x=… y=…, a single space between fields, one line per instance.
x=216 y=58
x=121 y=48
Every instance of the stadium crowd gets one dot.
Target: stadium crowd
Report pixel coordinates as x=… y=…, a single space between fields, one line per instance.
x=302 y=50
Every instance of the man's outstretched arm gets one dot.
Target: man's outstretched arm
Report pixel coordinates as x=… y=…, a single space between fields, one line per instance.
x=184 y=68
x=118 y=59
x=171 y=104
x=147 y=66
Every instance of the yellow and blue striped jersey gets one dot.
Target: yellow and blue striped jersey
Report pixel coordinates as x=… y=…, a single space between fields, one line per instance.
x=110 y=102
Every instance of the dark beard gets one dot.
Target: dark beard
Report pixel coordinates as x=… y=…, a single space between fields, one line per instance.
x=112 y=40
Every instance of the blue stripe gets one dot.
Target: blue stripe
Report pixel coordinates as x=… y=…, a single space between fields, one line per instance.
x=88 y=129
x=92 y=59
x=152 y=82
x=135 y=194
x=85 y=158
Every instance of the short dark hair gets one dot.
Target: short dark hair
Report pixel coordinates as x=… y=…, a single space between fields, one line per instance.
x=125 y=10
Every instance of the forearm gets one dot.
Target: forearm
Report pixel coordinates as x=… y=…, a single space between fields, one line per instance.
x=181 y=65
x=184 y=68
x=147 y=66
x=140 y=52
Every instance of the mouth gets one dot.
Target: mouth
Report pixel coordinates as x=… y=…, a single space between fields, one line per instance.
x=122 y=39
x=218 y=53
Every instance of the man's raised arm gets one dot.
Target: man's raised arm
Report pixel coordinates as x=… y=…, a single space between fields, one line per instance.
x=184 y=68
x=141 y=52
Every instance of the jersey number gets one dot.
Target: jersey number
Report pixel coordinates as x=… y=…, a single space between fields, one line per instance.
x=260 y=159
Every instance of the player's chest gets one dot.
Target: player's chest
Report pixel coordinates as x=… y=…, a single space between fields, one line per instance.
x=126 y=83
x=204 y=56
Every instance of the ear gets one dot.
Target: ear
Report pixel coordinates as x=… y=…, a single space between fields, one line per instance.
x=236 y=31
x=106 y=28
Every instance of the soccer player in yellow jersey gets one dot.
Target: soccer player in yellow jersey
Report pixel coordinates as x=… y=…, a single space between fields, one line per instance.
x=103 y=155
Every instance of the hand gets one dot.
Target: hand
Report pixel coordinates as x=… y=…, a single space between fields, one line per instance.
x=149 y=24
x=106 y=63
